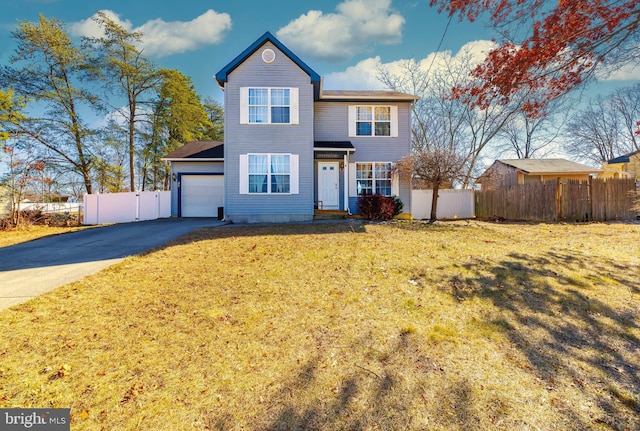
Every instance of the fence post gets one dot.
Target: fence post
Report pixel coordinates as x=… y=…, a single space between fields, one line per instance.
x=590 y=195
x=559 y=198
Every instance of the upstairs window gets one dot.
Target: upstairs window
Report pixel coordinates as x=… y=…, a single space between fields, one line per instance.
x=370 y=120
x=264 y=105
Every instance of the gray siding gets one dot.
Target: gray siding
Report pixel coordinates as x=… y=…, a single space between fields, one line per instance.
x=332 y=124
x=190 y=167
x=268 y=138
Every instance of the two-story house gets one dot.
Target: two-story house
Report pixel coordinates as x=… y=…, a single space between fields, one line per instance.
x=290 y=147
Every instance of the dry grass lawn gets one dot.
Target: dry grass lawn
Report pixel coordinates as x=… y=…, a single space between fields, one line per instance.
x=31 y=232
x=408 y=326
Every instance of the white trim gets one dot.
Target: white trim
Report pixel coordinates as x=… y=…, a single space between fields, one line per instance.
x=294 y=175
x=244 y=105
x=294 y=107
x=268 y=56
x=394 y=121
x=395 y=183
x=352 y=180
x=346 y=182
x=352 y=121
x=244 y=174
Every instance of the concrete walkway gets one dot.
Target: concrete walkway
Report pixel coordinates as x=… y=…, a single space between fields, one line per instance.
x=36 y=267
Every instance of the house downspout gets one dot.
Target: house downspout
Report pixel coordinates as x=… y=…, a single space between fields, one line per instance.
x=346 y=182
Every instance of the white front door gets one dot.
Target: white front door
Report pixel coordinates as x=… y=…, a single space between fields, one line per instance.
x=329 y=185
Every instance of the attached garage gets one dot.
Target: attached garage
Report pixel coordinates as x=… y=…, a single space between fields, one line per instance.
x=197 y=179
x=200 y=195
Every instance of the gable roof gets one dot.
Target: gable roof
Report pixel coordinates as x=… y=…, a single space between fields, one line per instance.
x=197 y=150
x=549 y=166
x=223 y=75
x=622 y=159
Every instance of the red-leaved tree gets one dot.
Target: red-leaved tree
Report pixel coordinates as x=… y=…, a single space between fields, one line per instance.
x=547 y=47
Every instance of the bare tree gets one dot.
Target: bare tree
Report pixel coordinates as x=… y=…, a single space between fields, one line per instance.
x=626 y=103
x=606 y=128
x=442 y=121
x=527 y=136
x=435 y=167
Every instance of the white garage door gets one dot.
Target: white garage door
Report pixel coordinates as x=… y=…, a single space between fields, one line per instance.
x=201 y=195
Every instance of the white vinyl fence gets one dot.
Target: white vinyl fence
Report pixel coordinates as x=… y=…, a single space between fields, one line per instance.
x=126 y=207
x=452 y=204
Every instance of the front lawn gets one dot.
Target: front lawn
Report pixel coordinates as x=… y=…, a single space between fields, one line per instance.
x=455 y=326
x=30 y=232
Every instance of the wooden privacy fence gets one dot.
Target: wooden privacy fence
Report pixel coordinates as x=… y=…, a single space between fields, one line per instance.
x=569 y=200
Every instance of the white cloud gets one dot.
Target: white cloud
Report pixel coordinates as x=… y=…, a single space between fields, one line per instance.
x=626 y=72
x=354 y=28
x=162 y=38
x=89 y=28
x=363 y=76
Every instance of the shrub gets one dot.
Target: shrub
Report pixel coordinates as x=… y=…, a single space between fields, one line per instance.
x=398 y=205
x=376 y=207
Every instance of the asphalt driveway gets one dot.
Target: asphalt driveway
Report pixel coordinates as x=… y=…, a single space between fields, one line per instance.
x=36 y=267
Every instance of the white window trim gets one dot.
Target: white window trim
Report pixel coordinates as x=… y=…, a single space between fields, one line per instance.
x=353 y=190
x=294 y=187
x=294 y=106
x=353 y=117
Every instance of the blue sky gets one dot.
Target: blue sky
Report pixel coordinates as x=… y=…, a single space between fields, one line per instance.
x=342 y=40
x=338 y=39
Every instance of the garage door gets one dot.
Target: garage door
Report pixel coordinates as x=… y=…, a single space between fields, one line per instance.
x=201 y=195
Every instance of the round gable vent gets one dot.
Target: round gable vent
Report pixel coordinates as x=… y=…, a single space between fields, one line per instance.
x=268 y=55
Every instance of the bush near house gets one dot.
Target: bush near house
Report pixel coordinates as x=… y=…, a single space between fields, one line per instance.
x=377 y=207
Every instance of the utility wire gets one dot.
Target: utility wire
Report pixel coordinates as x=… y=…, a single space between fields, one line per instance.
x=439 y=45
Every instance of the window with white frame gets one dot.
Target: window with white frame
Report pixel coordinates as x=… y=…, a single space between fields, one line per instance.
x=373 y=178
x=264 y=105
x=371 y=120
x=269 y=174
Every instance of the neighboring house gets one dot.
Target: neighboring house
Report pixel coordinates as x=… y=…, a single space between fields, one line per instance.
x=523 y=171
x=291 y=147
x=625 y=166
